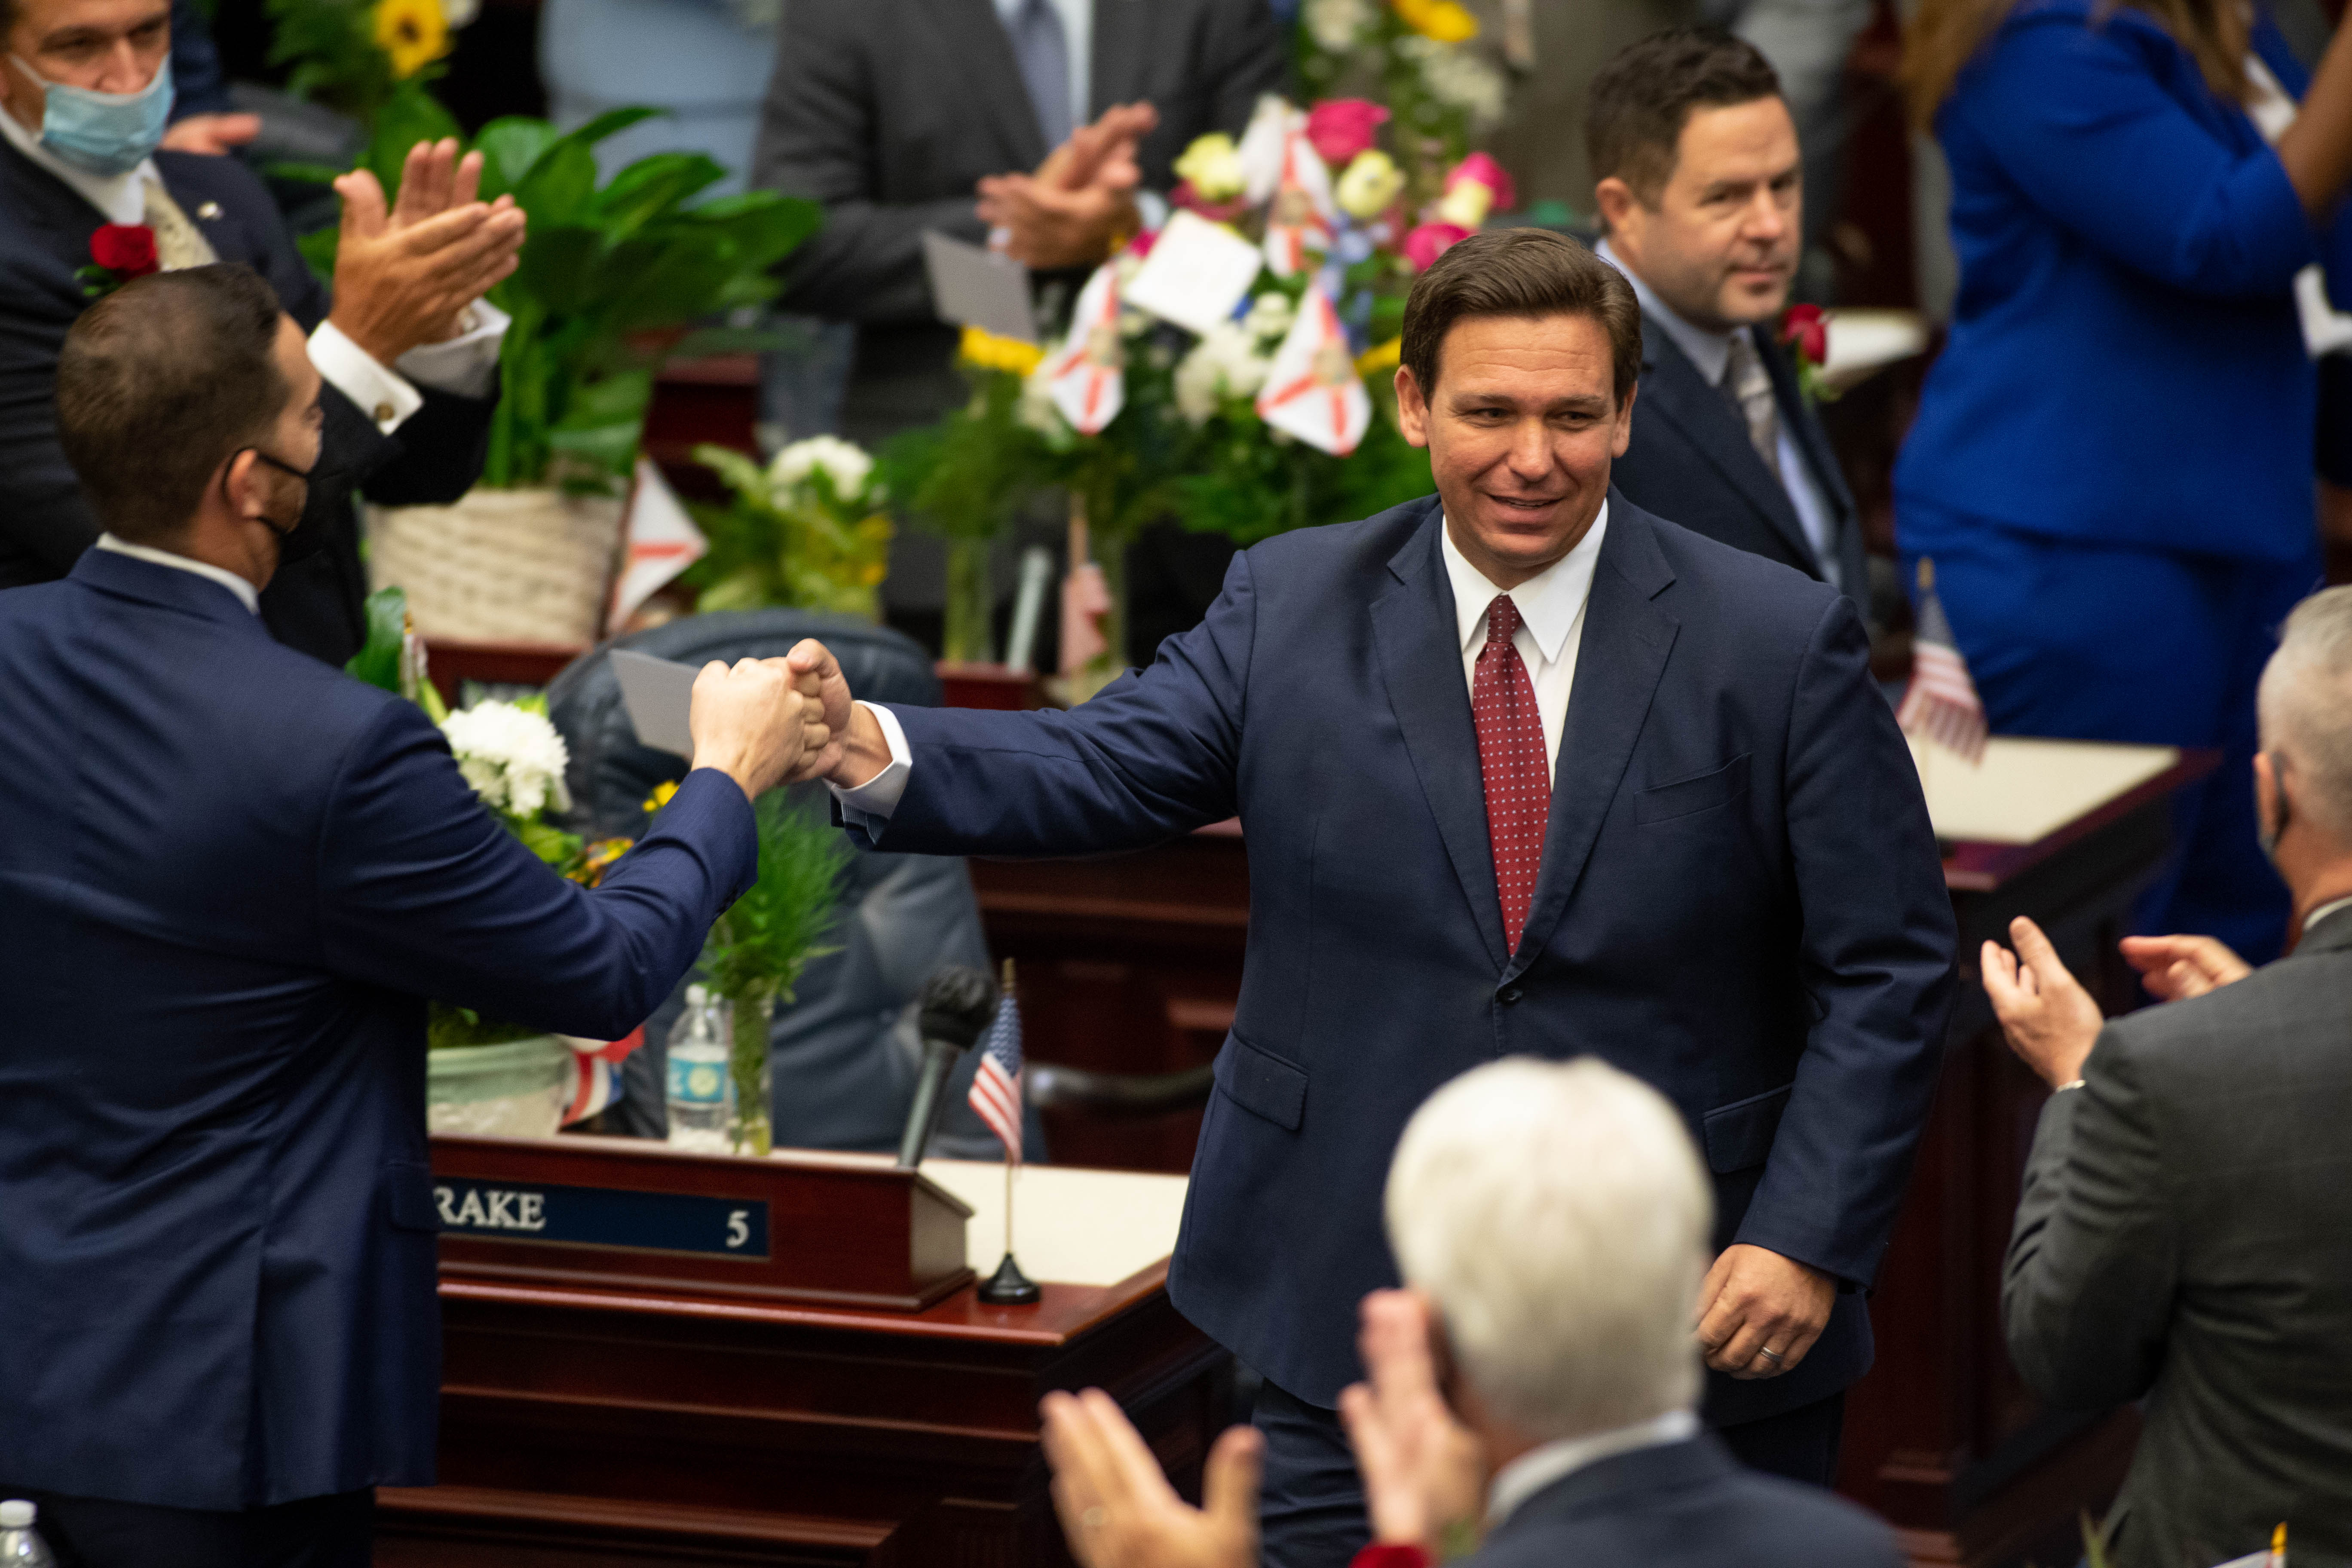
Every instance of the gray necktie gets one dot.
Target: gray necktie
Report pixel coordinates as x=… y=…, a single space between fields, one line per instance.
x=1043 y=51
x=178 y=242
x=1750 y=386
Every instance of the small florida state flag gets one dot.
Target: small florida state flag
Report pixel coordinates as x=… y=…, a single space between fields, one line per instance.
x=1087 y=374
x=1312 y=390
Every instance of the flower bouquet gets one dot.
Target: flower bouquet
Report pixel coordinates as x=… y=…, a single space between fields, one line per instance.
x=808 y=530
x=1423 y=59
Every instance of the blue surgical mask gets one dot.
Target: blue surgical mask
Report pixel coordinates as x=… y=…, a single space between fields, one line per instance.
x=104 y=132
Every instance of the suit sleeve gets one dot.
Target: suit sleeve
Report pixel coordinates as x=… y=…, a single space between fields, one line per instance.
x=817 y=133
x=422 y=891
x=1875 y=957
x=1155 y=755
x=2076 y=120
x=2095 y=1258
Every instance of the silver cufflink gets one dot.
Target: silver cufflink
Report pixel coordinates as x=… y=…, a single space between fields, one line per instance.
x=209 y=210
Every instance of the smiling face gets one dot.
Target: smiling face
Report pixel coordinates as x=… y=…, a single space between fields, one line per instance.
x=107 y=45
x=1521 y=426
x=1719 y=243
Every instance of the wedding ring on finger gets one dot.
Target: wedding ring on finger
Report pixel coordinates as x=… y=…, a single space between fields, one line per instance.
x=1778 y=1361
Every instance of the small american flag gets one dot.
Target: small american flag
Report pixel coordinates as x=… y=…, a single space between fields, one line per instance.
x=996 y=1087
x=1941 y=703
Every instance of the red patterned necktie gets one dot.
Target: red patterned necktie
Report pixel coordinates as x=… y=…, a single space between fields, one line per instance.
x=1511 y=761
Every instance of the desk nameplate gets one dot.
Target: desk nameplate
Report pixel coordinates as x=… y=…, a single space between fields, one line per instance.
x=610 y=1218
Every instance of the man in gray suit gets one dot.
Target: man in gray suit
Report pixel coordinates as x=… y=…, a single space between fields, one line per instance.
x=2183 y=1239
x=893 y=113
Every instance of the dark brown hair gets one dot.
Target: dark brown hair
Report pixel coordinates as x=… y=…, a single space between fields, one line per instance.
x=1947 y=34
x=1636 y=108
x=1524 y=272
x=159 y=383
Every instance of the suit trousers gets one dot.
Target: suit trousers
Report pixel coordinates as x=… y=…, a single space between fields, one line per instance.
x=1311 y=1502
x=336 y=1531
x=2096 y=642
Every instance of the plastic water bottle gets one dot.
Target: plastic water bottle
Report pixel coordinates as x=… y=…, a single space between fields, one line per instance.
x=702 y=1089
x=20 y=1544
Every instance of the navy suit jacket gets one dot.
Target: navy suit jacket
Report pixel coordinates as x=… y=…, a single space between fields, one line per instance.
x=45 y=523
x=1686 y=1505
x=1739 y=902
x=2125 y=364
x=1690 y=459
x=229 y=876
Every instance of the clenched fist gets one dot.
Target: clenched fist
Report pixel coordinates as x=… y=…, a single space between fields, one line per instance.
x=751 y=721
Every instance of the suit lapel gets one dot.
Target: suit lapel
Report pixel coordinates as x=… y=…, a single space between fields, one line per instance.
x=1120 y=27
x=1420 y=647
x=1672 y=390
x=1626 y=640
x=981 y=54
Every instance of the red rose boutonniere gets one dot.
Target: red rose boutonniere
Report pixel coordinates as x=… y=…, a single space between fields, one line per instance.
x=117 y=253
x=1805 y=332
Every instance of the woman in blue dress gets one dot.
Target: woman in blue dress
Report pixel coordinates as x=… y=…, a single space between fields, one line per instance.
x=2113 y=463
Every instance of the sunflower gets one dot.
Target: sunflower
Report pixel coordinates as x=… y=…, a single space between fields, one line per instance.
x=412 y=33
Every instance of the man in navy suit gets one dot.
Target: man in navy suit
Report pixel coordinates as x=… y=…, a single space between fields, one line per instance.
x=1523 y=769
x=229 y=878
x=1535 y=1384
x=1701 y=185
x=408 y=348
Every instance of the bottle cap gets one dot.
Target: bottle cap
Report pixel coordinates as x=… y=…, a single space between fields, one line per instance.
x=16 y=1514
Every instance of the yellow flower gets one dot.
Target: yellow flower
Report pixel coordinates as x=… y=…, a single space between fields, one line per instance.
x=597 y=858
x=1369 y=185
x=1380 y=357
x=990 y=352
x=660 y=797
x=413 y=33
x=1214 y=165
x=1443 y=20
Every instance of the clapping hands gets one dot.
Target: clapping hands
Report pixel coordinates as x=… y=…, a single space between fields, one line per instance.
x=1423 y=1469
x=405 y=276
x=1117 y=1507
x=2050 y=1020
x=1068 y=212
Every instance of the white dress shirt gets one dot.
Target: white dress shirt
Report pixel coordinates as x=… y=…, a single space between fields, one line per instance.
x=1536 y=1469
x=245 y=591
x=1711 y=352
x=1552 y=607
x=466 y=366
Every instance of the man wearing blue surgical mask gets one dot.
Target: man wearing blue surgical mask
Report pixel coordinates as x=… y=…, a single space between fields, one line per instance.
x=406 y=343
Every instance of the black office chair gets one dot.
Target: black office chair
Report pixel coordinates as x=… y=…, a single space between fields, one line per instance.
x=845 y=1053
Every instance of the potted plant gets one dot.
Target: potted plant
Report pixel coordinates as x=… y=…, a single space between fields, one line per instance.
x=807 y=531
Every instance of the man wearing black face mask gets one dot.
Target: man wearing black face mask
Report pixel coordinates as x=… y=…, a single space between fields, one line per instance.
x=229 y=876
x=407 y=348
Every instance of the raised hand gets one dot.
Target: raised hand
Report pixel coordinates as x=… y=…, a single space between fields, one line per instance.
x=401 y=285
x=2175 y=968
x=213 y=135
x=2050 y=1020
x=1118 y=131
x=1759 y=1312
x=1068 y=212
x=434 y=179
x=1421 y=1468
x=751 y=722
x=1117 y=1507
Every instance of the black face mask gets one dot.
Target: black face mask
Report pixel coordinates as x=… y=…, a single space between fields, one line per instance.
x=304 y=537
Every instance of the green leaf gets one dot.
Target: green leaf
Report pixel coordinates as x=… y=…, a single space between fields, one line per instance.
x=510 y=147
x=559 y=186
x=549 y=843
x=612 y=122
x=378 y=660
x=653 y=187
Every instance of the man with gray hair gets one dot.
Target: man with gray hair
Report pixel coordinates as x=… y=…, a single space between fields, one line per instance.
x=2182 y=1238
x=1534 y=1382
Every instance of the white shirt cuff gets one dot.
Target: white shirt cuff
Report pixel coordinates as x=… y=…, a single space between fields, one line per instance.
x=350 y=369
x=467 y=364
x=868 y=806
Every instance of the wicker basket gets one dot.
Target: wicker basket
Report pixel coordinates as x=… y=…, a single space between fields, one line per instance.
x=528 y=566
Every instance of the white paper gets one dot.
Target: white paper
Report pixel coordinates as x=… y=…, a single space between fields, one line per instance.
x=659 y=695
x=2024 y=790
x=973 y=287
x=1196 y=274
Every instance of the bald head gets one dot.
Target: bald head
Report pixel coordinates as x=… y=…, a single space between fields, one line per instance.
x=2305 y=706
x=159 y=383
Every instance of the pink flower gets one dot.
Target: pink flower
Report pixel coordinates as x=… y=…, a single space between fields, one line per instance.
x=1485 y=171
x=1430 y=241
x=1477 y=186
x=1141 y=246
x=1191 y=200
x=1342 y=127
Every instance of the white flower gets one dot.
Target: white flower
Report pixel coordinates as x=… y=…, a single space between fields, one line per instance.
x=512 y=756
x=843 y=462
x=1036 y=409
x=1334 y=23
x=1461 y=79
x=457 y=12
x=1226 y=364
x=1270 y=315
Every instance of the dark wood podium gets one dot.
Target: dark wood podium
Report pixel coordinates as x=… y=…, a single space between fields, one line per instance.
x=799 y=1374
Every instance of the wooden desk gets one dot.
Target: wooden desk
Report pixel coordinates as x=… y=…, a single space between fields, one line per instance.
x=664 y=1426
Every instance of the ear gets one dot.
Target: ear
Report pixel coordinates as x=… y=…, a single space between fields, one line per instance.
x=1413 y=408
x=1617 y=204
x=1624 y=434
x=241 y=482
x=2269 y=793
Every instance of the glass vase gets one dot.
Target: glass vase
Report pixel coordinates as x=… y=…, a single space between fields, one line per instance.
x=750 y=1129
x=1107 y=666
x=967 y=634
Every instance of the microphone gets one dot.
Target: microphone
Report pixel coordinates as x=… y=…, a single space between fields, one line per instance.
x=956 y=1004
